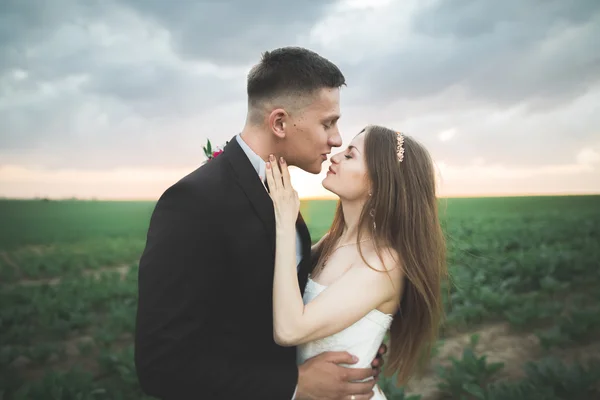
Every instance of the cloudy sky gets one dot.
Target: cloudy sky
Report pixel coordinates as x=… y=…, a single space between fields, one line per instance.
x=115 y=98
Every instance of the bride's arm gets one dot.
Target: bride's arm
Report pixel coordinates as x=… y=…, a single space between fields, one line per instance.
x=350 y=298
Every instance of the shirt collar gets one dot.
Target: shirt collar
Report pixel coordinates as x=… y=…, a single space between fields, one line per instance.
x=257 y=162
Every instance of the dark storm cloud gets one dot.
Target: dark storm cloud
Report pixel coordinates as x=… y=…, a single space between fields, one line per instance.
x=74 y=65
x=501 y=52
x=53 y=42
x=464 y=19
x=232 y=32
x=26 y=24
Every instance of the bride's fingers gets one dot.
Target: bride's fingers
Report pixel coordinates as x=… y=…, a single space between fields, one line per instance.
x=285 y=172
x=276 y=173
x=269 y=174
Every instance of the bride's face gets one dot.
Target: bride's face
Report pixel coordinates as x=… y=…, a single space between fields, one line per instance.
x=347 y=176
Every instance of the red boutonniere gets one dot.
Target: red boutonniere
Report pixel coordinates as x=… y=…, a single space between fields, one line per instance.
x=211 y=153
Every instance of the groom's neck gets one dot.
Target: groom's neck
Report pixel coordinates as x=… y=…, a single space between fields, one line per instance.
x=259 y=141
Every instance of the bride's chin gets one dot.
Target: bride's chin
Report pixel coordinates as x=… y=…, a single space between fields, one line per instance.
x=327 y=187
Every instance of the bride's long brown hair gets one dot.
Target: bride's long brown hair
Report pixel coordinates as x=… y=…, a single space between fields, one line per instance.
x=404 y=218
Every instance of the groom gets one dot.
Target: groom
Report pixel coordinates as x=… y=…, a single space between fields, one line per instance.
x=204 y=327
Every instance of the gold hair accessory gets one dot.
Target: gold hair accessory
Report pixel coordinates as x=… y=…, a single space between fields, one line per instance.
x=400 y=146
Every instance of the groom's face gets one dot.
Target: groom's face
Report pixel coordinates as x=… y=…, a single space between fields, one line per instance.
x=313 y=132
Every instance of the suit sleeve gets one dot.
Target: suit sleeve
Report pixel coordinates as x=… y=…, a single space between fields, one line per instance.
x=180 y=282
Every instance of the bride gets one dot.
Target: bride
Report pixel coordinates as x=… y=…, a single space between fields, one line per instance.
x=380 y=266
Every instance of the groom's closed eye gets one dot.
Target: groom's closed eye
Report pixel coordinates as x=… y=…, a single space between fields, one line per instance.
x=328 y=123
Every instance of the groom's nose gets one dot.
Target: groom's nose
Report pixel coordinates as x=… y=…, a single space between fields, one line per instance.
x=335 y=140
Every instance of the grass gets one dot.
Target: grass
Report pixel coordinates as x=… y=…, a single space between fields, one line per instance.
x=68 y=294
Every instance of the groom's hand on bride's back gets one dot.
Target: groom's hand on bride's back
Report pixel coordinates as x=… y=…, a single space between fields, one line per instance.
x=321 y=377
x=378 y=361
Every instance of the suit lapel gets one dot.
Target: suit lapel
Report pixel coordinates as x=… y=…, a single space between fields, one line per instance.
x=250 y=182
x=304 y=235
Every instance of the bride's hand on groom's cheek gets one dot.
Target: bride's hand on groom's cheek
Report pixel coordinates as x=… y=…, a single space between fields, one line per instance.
x=285 y=199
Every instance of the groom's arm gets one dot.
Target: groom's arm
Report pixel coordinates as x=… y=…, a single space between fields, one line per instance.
x=181 y=282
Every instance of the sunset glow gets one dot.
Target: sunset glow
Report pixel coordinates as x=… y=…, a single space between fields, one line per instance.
x=478 y=179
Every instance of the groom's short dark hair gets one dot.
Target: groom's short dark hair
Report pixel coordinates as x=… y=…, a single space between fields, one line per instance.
x=291 y=72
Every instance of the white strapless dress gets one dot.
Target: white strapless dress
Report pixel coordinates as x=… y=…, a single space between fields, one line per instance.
x=362 y=339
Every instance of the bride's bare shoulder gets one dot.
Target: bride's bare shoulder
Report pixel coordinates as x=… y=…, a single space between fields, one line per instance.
x=386 y=260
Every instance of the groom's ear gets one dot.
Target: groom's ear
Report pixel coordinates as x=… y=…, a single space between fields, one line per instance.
x=278 y=122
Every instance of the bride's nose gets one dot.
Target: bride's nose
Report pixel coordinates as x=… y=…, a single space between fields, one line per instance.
x=335 y=158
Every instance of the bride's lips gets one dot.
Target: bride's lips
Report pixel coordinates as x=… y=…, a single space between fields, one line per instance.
x=331 y=171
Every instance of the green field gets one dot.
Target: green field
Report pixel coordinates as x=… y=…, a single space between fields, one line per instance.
x=523 y=312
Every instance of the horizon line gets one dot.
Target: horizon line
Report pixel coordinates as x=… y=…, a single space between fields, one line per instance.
x=308 y=198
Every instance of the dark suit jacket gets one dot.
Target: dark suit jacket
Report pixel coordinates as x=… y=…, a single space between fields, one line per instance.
x=204 y=327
